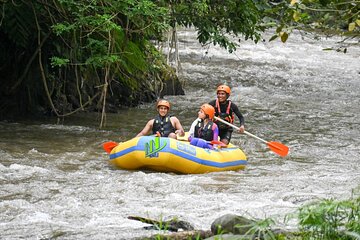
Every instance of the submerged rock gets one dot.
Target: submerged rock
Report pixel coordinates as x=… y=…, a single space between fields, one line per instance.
x=173 y=225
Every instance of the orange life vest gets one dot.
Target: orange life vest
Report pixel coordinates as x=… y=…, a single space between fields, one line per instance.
x=227 y=116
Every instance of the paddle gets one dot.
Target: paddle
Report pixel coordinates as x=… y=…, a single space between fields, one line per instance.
x=276 y=147
x=219 y=143
x=108 y=146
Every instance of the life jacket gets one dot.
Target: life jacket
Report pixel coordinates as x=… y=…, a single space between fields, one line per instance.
x=163 y=125
x=204 y=132
x=227 y=116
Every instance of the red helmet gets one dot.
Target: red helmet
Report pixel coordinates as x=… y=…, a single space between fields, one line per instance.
x=208 y=110
x=163 y=103
x=224 y=88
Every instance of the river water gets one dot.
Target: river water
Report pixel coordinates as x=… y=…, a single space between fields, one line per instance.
x=56 y=180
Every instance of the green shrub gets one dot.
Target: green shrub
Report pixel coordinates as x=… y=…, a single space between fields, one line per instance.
x=331 y=219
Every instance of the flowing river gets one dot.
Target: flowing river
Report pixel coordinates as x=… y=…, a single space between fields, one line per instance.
x=56 y=181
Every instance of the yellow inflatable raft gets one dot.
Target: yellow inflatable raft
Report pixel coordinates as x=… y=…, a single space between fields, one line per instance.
x=170 y=155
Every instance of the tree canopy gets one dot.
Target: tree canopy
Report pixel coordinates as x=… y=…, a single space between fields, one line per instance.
x=62 y=56
x=327 y=17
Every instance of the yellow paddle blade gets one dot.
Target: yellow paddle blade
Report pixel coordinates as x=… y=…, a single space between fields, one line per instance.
x=278 y=148
x=108 y=146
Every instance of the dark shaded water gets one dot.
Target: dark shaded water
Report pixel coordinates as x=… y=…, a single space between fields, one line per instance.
x=55 y=179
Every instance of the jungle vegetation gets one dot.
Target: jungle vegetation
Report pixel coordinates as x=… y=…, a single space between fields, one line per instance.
x=323 y=219
x=59 y=57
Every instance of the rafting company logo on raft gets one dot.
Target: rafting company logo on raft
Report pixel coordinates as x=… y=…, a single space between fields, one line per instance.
x=186 y=148
x=152 y=148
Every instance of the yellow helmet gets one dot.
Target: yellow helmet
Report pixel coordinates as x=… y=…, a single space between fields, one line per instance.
x=208 y=110
x=224 y=88
x=163 y=103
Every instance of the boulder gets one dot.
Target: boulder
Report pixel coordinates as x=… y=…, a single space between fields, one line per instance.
x=231 y=223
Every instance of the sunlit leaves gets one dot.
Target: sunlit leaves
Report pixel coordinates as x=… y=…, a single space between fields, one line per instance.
x=106 y=21
x=102 y=60
x=284 y=36
x=352 y=25
x=60 y=28
x=331 y=219
x=327 y=16
x=280 y=32
x=293 y=2
x=296 y=16
x=59 y=62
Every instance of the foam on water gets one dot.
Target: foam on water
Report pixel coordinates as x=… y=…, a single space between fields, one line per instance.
x=55 y=178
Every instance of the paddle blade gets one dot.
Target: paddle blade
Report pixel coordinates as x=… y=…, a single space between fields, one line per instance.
x=108 y=146
x=219 y=143
x=278 y=148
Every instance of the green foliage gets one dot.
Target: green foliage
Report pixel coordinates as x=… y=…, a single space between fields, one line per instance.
x=215 y=21
x=327 y=220
x=326 y=16
x=59 y=62
x=262 y=229
x=331 y=219
x=60 y=28
x=111 y=34
x=89 y=44
x=134 y=57
x=84 y=45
